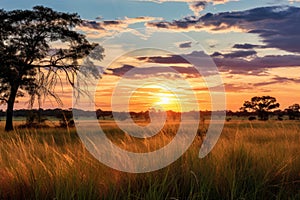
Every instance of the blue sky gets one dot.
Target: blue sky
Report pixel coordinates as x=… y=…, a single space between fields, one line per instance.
x=112 y=9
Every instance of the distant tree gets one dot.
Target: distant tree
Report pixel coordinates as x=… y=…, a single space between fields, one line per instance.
x=261 y=105
x=66 y=119
x=293 y=111
x=100 y=113
x=279 y=113
x=38 y=48
x=251 y=118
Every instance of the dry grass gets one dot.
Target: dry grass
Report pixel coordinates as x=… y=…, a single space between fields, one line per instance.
x=259 y=160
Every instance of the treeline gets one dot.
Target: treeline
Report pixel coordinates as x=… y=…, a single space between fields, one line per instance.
x=261 y=108
x=287 y=113
x=56 y=113
x=100 y=114
x=264 y=106
x=292 y=113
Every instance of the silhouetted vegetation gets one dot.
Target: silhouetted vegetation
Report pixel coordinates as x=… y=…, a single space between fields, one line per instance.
x=293 y=111
x=30 y=63
x=66 y=119
x=261 y=105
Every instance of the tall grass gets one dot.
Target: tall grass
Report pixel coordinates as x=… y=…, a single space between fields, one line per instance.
x=250 y=161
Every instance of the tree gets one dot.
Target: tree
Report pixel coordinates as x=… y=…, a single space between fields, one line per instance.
x=38 y=48
x=262 y=105
x=293 y=111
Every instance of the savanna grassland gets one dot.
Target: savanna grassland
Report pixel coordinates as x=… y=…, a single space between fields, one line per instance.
x=252 y=160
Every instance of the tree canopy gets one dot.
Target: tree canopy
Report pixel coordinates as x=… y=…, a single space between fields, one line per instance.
x=262 y=105
x=293 y=111
x=37 y=48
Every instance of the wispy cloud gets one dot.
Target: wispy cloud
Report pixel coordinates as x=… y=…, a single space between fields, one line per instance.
x=277 y=80
x=98 y=29
x=195 y=5
x=235 y=54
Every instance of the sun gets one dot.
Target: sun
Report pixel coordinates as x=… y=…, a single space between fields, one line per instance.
x=164 y=100
x=167 y=102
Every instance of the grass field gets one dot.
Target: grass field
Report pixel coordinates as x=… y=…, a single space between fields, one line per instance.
x=252 y=160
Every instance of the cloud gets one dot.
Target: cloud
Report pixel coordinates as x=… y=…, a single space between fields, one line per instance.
x=121 y=71
x=155 y=71
x=172 y=59
x=229 y=87
x=278 y=26
x=189 y=1
x=194 y=5
x=256 y=65
x=175 y=59
x=235 y=54
x=248 y=46
x=185 y=45
x=239 y=62
x=197 y=7
x=97 y=29
x=277 y=80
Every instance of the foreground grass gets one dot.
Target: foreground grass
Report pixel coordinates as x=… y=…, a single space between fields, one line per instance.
x=250 y=161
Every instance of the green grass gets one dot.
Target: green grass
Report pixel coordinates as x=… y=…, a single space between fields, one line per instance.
x=258 y=160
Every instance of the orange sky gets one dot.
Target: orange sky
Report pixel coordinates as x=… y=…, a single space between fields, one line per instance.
x=156 y=96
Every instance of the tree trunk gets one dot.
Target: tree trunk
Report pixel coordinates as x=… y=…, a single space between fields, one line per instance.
x=10 y=108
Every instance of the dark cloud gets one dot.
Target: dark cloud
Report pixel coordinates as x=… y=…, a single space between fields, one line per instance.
x=215 y=54
x=278 y=26
x=172 y=59
x=248 y=46
x=176 y=59
x=111 y=22
x=235 y=54
x=198 y=6
x=121 y=71
x=185 y=45
x=92 y=25
x=188 y=72
x=234 y=63
x=277 y=80
x=256 y=65
x=285 y=79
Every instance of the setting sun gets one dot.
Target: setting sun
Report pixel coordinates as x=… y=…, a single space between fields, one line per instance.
x=164 y=100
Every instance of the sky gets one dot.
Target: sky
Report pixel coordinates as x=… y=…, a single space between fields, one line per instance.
x=169 y=54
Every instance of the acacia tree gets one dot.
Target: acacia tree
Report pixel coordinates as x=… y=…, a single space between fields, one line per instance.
x=262 y=105
x=38 y=48
x=293 y=111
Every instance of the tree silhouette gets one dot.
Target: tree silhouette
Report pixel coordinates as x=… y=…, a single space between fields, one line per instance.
x=262 y=105
x=38 y=48
x=293 y=111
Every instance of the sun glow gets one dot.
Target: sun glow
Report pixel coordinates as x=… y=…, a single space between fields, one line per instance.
x=167 y=101
x=164 y=100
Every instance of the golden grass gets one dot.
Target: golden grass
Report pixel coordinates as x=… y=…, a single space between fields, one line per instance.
x=258 y=160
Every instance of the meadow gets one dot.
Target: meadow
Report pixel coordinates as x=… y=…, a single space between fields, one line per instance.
x=252 y=160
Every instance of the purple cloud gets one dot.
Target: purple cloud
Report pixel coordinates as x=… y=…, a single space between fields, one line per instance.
x=278 y=26
x=185 y=45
